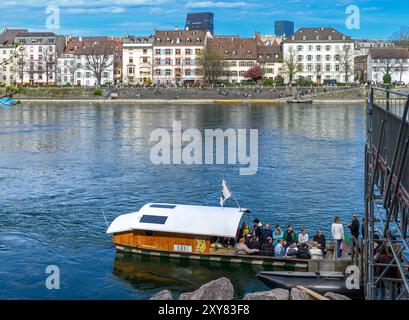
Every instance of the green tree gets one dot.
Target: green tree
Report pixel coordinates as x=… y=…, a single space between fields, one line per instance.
x=211 y=62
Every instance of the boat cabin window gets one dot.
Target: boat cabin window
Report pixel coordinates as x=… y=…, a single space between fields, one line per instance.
x=163 y=206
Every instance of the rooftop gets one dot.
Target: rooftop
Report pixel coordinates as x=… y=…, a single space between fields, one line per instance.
x=182 y=219
x=389 y=53
x=318 y=35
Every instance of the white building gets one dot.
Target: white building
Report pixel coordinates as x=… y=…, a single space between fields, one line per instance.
x=392 y=61
x=8 y=51
x=37 y=65
x=362 y=47
x=65 y=70
x=137 y=60
x=240 y=54
x=176 y=55
x=321 y=54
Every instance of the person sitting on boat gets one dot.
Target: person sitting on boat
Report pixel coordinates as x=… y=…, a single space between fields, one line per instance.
x=315 y=251
x=289 y=237
x=320 y=239
x=303 y=252
x=279 y=250
x=242 y=249
x=267 y=233
x=291 y=250
x=277 y=234
x=243 y=232
x=303 y=236
x=267 y=249
x=253 y=243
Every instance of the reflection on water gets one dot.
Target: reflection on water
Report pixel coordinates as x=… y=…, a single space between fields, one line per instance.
x=149 y=273
x=62 y=166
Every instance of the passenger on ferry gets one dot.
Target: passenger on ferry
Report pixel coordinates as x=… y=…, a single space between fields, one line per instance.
x=267 y=233
x=303 y=236
x=267 y=249
x=279 y=250
x=242 y=249
x=315 y=251
x=291 y=250
x=320 y=239
x=243 y=232
x=289 y=237
x=253 y=243
x=277 y=234
x=303 y=252
x=258 y=229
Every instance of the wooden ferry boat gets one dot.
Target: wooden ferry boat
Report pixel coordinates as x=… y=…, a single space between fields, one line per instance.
x=188 y=232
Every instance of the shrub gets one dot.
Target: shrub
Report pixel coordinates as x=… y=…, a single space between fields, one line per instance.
x=387 y=79
x=97 y=92
x=268 y=83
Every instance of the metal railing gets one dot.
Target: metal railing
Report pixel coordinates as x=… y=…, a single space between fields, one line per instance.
x=386 y=273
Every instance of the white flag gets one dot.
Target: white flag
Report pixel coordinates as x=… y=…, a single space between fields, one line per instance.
x=226 y=194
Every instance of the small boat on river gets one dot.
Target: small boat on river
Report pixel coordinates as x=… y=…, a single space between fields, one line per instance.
x=320 y=282
x=300 y=101
x=188 y=232
x=7 y=102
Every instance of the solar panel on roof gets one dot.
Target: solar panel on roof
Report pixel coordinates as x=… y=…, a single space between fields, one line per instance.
x=153 y=219
x=163 y=206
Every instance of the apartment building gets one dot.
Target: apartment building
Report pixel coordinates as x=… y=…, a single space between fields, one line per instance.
x=392 y=61
x=137 y=60
x=320 y=54
x=37 y=63
x=176 y=56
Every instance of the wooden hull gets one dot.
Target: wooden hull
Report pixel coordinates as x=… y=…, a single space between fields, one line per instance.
x=282 y=263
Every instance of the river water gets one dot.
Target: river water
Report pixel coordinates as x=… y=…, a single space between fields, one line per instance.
x=63 y=166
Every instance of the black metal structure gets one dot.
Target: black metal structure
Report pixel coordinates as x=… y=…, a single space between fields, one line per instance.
x=386 y=245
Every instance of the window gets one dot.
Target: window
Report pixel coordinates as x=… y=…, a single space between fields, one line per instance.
x=157 y=51
x=328 y=48
x=168 y=61
x=168 y=72
x=187 y=62
x=198 y=51
x=328 y=58
x=233 y=63
x=300 y=48
x=310 y=48
x=168 y=51
x=131 y=70
x=328 y=67
x=188 y=72
x=145 y=60
x=300 y=57
x=319 y=67
x=318 y=58
x=178 y=51
x=188 y=51
x=106 y=75
x=319 y=48
x=178 y=60
x=337 y=67
x=309 y=68
x=130 y=60
x=145 y=51
x=309 y=58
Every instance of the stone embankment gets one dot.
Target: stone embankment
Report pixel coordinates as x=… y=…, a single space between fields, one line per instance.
x=222 y=289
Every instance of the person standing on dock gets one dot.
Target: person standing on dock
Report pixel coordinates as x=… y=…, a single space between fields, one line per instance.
x=337 y=230
x=354 y=226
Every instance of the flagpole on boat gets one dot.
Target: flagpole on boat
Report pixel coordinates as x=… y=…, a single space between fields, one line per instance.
x=232 y=194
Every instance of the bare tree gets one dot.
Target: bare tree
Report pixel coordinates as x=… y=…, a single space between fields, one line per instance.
x=98 y=59
x=17 y=52
x=290 y=65
x=49 y=66
x=345 y=59
x=401 y=37
x=211 y=61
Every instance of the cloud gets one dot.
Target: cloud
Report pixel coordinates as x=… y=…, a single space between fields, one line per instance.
x=214 y=4
x=110 y=10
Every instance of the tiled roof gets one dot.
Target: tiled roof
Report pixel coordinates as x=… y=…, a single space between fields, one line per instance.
x=318 y=35
x=389 y=53
x=179 y=38
x=269 y=54
x=8 y=36
x=235 y=48
x=35 y=34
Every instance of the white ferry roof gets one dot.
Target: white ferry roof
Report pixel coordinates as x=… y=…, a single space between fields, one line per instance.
x=170 y=218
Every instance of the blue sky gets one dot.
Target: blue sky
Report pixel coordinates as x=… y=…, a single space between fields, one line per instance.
x=379 y=19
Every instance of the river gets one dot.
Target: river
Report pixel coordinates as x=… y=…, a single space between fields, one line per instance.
x=62 y=167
